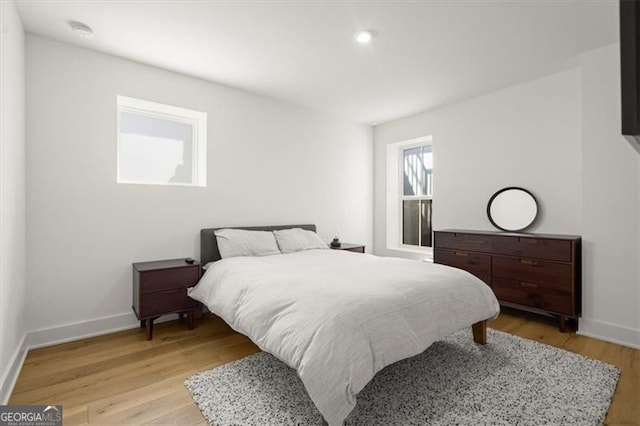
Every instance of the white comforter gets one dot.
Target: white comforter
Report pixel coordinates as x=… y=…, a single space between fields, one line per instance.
x=339 y=317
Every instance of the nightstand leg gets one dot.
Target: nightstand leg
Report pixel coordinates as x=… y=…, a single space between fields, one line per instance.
x=150 y=329
x=190 y=319
x=143 y=323
x=181 y=316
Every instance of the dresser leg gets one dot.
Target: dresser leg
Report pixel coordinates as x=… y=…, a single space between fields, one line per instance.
x=180 y=316
x=562 y=324
x=143 y=323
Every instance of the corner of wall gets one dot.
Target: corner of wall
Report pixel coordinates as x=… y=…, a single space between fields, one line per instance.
x=12 y=198
x=611 y=230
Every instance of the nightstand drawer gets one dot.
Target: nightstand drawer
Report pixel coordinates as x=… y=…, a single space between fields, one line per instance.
x=358 y=248
x=549 y=274
x=166 y=301
x=533 y=295
x=167 y=279
x=478 y=264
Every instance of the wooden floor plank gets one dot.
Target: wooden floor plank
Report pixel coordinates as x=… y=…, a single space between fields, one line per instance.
x=188 y=414
x=122 y=378
x=101 y=365
x=76 y=415
x=113 y=405
x=83 y=390
x=150 y=410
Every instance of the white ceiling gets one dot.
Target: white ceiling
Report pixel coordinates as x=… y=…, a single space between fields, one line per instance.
x=425 y=54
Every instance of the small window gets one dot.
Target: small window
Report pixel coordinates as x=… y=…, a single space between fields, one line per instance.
x=161 y=144
x=417 y=193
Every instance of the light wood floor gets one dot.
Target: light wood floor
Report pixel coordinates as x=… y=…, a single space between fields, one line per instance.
x=122 y=378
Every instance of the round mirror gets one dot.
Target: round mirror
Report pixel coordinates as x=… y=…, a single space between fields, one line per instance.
x=512 y=209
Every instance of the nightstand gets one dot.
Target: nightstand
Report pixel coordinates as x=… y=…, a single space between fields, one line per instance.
x=160 y=288
x=358 y=248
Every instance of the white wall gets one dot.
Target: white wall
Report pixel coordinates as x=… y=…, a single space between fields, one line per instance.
x=12 y=198
x=558 y=136
x=268 y=163
x=527 y=135
x=611 y=205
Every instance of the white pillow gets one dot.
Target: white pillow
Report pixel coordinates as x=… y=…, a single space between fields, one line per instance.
x=240 y=242
x=298 y=239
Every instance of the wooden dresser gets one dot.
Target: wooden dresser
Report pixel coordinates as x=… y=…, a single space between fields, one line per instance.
x=533 y=272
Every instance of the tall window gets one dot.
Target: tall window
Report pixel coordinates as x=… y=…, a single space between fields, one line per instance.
x=410 y=195
x=417 y=194
x=161 y=144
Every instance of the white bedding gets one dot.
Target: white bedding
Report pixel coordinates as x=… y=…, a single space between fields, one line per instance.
x=339 y=317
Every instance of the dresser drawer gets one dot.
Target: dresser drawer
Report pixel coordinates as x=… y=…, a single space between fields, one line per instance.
x=461 y=241
x=163 y=302
x=533 y=295
x=478 y=264
x=166 y=279
x=549 y=274
x=538 y=248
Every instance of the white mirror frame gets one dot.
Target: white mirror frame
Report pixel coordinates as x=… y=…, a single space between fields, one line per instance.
x=512 y=209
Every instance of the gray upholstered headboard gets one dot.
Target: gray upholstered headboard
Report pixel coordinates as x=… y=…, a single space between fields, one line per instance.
x=209 y=245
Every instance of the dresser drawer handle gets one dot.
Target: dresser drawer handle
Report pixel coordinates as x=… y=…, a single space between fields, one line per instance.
x=529 y=262
x=528 y=285
x=461 y=253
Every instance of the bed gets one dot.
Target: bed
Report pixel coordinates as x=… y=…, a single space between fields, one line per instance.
x=339 y=317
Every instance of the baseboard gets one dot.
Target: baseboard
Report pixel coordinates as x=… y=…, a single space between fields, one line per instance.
x=84 y=329
x=79 y=330
x=609 y=332
x=11 y=374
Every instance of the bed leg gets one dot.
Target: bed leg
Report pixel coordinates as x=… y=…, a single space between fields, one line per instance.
x=480 y=332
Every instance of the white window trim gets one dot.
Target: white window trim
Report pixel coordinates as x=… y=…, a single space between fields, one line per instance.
x=198 y=122
x=394 y=207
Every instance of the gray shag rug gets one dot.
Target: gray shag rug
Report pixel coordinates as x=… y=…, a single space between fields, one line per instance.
x=509 y=381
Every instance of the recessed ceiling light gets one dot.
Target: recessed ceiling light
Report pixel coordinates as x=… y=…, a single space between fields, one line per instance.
x=81 y=30
x=364 y=37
